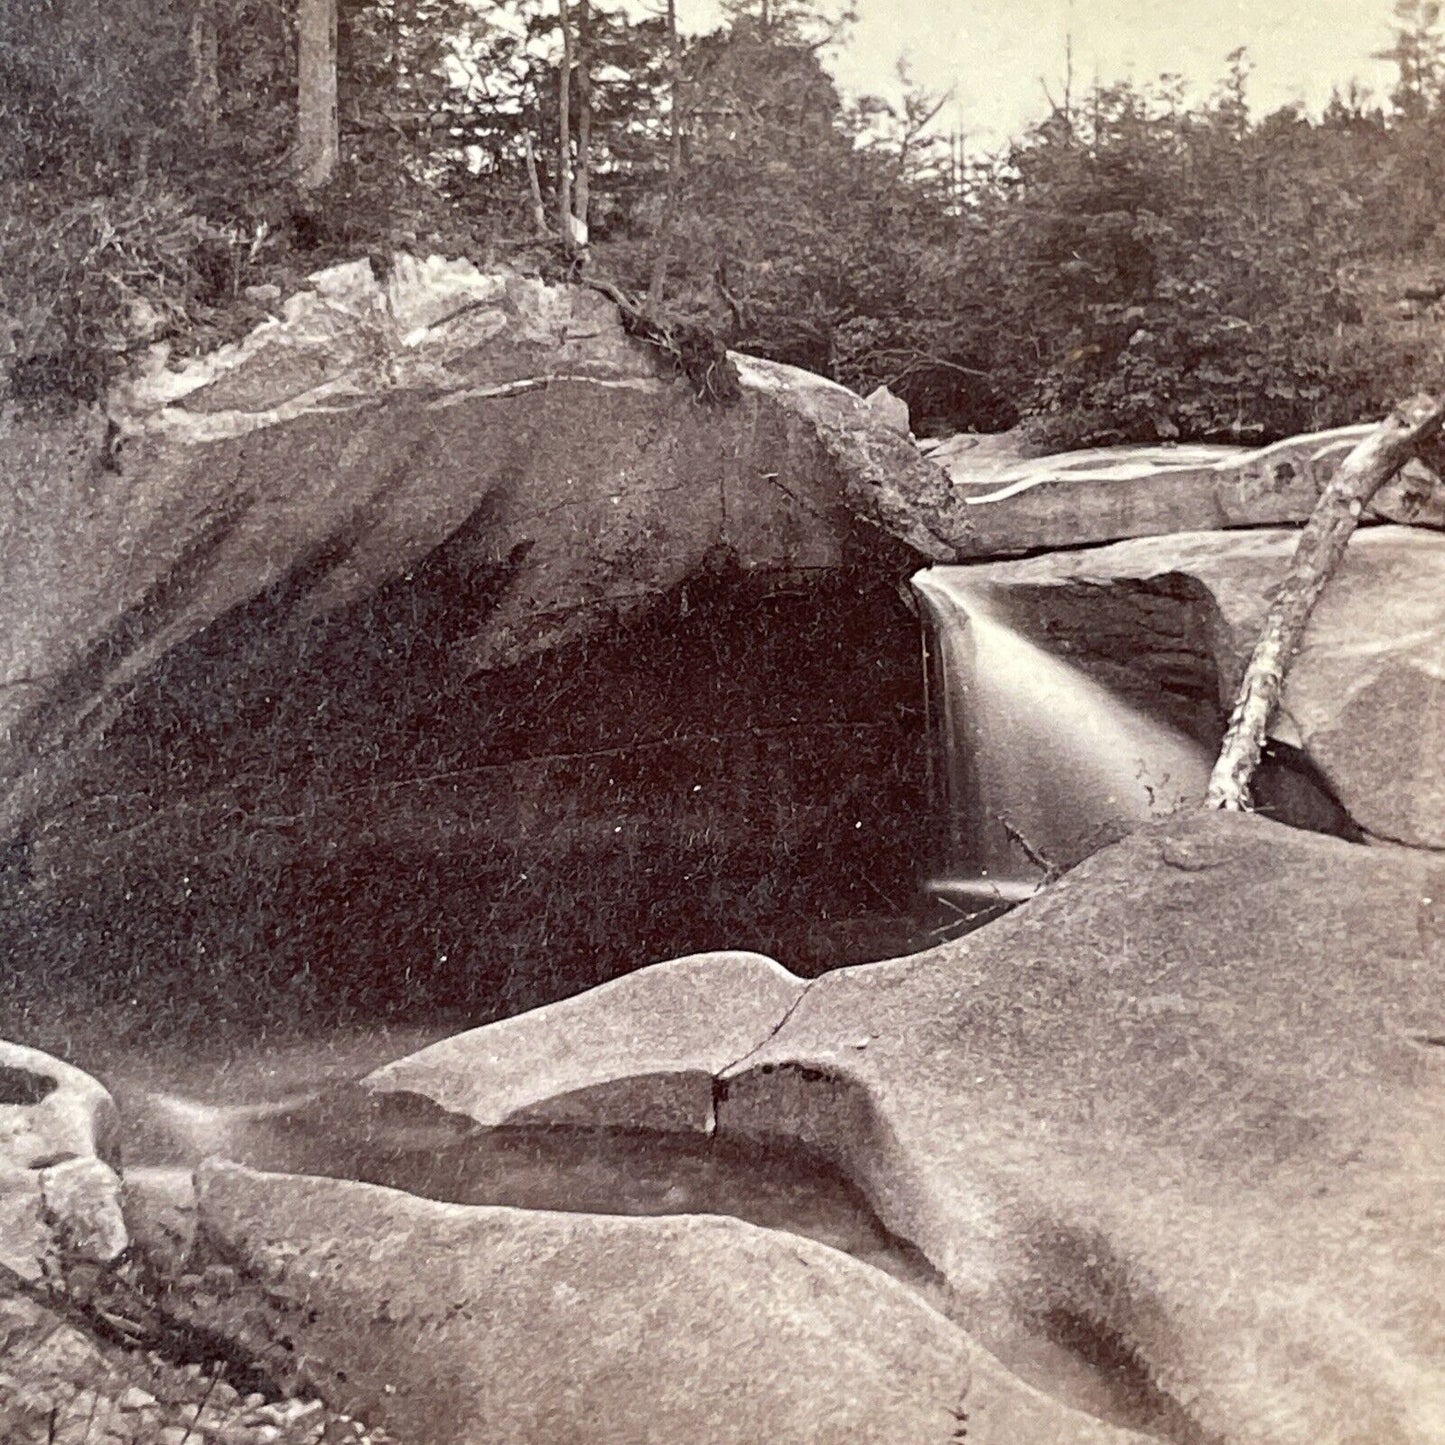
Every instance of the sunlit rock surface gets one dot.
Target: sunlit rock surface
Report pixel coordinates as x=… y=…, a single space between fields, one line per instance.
x=1005 y=499
x=458 y=1325
x=1170 y=622
x=1182 y=1112
x=59 y=1193
x=648 y=1044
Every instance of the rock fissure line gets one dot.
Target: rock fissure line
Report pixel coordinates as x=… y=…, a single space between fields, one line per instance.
x=413 y=336
x=641 y=744
x=198 y=428
x=541 y=383
x=720 y=1079
x=1373 y=835
x=775 y=480
x=542 y=513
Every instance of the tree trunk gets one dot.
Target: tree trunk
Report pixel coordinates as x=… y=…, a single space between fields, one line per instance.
x=658 y=279
x=318 y=143
x=581 y=191
x=204 y=98
x=1321 y=546
x=564 y=130
x=539 y=209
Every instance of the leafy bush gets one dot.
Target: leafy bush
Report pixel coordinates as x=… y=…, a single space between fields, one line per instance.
x=82 y=283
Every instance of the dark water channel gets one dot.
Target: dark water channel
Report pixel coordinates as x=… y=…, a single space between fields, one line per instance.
x=402 y=1142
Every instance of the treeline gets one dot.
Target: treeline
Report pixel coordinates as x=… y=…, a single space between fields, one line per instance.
x=1141 y=265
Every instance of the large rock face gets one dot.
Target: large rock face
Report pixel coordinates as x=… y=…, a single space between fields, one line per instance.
x=432 y=599
x=1005 y=498
x=1183 y=1112
x=336 y=448
x=1173 y=620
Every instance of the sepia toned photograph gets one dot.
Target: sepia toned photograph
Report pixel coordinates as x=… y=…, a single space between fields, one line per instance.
x=722 y=722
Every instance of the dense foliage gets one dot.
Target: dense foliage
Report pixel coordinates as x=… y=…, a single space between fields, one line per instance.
x=1137 y=266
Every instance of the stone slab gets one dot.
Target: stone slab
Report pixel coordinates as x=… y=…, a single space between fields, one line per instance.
x=640 y=1051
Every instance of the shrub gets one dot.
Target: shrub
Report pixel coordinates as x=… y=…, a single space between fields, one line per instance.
x=84 y=282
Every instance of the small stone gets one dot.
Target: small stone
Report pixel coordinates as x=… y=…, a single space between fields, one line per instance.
x=253 y=1401
x=82 y=1196
x=225 y=1394
x=134 y=1398
x=265 y=291
x=889 y=409
x=288 y=1412
x=159 y=1205
x=143 y=320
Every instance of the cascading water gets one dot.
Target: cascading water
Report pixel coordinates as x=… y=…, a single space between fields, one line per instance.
x=1035 y=763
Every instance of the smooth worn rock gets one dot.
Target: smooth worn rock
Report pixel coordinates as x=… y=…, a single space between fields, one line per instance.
x=1364 y=698
x=1184 y=1105
x=1006 y=499
x=1003 y=1410
x=333 y=450
x=455 y=1325
x=643 y=1048
x=1181 y=1114
x=58 y=1133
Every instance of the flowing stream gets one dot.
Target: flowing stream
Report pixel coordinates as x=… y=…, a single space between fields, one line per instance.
x=1039 y=764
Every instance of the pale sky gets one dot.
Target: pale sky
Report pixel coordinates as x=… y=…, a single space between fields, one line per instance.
x=993 y=52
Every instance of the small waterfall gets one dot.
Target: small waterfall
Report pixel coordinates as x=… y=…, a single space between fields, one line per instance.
x=1035 y=764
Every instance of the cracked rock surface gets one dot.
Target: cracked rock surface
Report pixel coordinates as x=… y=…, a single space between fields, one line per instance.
x=1184 y=1110
x=1182 y=1103
x=645 y=1046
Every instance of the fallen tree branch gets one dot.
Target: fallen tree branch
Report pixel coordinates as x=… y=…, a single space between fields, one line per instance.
x=918 y=359
x=1321 y=546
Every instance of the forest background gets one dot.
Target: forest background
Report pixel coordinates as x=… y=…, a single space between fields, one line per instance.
x=1141 y=265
